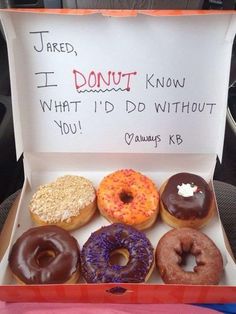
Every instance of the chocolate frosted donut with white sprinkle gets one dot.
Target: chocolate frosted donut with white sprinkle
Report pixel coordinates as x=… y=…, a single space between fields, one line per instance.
x=69 y=202
x=117 y=239
x=186 y=200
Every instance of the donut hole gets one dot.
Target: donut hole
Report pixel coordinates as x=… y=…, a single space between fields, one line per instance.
x=119 y=257
x=187 y=261
x=126 y=197
x=45 y=257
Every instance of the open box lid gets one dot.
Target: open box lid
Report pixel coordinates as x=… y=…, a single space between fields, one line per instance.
x=153 y=83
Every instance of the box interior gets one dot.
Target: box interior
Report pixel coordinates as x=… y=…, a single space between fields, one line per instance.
x=150 y=165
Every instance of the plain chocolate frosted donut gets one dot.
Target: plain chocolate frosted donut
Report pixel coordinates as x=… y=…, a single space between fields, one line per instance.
x=45 y=255
x=96 y=252
x=171 y=247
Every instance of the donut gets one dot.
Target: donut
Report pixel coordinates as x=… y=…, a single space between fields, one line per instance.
x=172 y=248
x=129 y=197
x=186 y=200
x=122 y=240
x=69 y=202
x=45 y=255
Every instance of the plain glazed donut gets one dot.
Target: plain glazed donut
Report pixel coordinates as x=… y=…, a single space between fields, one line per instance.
x=186 y=201
x=127 y=196
x=177 y=242
x=69 y=202
x=45 y=255
x=96 y=266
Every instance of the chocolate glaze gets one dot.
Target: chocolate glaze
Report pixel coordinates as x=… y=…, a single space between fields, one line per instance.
x=96 y=251
x=30 y=262
x=196 y=206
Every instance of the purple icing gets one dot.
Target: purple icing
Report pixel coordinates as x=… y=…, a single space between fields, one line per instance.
x=96 y=251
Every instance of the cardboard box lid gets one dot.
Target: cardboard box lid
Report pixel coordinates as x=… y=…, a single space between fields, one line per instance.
x=95 y=83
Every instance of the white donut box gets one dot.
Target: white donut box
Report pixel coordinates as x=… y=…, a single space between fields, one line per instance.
x=96 y=91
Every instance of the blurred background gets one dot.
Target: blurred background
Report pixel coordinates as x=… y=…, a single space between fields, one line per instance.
x=11 y=171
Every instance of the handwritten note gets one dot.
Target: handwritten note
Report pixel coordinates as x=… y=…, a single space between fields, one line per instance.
x=144 y=84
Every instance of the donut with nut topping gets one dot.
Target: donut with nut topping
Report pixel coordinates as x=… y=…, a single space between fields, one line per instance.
x=69 y=202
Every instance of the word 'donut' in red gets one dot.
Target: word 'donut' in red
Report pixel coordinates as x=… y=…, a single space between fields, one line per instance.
x=103 y=82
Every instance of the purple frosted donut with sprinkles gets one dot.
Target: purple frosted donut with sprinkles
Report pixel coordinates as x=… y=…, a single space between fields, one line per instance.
x=117 y=253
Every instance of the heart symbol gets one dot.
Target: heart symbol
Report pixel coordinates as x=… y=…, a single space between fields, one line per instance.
x=129 y=138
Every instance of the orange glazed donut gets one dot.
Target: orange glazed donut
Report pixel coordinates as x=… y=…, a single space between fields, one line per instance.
x=127 y=196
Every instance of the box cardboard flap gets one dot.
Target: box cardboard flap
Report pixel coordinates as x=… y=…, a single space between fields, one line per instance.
x=95 y=83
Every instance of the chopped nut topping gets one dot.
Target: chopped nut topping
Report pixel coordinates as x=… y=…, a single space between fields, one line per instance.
x=62 y=199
